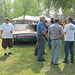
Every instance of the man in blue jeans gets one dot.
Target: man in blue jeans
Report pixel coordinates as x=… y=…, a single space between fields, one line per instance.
x=69 y=31
x=41 y=35
x=56 y=35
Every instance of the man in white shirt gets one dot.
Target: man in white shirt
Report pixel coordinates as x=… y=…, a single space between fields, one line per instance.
x=6 y=33
x=69 y=31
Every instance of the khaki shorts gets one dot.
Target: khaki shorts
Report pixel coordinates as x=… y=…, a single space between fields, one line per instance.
x=7 y=43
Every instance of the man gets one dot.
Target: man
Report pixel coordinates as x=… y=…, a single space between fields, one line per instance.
x=56 y=35
x=6 y=30
x=36 y=49
x=64 y=24
x=41 y=35
x=49 y=39
x=69 y=40
x=14 y=23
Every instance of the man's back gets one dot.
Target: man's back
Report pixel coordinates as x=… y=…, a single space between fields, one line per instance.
x=55 y=31
x=69 y=29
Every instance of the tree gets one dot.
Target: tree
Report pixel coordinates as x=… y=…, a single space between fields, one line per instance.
x=48 y=5
x=36 y=9
x=65 y=5
x=17 y=8
x=72 y=13
x=5 y=8
x=1 y=10
x=26 y=7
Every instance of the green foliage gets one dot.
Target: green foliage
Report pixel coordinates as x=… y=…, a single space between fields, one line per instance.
x=65 y=5
x=5 y=9
x=1 y=10
x=47 y=3
x=25 y=7
x=69 y=11
x=33 y=7
x=9 y=9
x=17 y=8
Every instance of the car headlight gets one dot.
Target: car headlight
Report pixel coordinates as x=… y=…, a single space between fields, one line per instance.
x=36 y=35
x=14 y=35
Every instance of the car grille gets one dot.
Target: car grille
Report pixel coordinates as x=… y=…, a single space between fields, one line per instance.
x=23 y=37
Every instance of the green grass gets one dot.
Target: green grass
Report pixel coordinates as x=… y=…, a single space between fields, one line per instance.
x=23 y=62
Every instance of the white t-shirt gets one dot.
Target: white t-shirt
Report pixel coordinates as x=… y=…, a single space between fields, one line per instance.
x=48 y=25
x=70 y=30
x=6 y=34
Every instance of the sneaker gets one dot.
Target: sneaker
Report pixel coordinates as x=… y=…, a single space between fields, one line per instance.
x=41 y=60
x=51 y=62
x=57 y=64
x=72 y=61
x=64 y=62
x=5 y=54
x=35 y=54
x=10 y=53
x=44 y=53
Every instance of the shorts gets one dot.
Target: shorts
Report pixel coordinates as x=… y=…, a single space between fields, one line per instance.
x=7 y=43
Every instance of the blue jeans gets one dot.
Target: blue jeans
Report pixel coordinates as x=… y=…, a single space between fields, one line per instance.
x=56 y=48
x=49 y=42
x=41 y=46
x=69 y=45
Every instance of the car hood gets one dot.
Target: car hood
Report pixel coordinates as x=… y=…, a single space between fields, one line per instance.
x=24 y=32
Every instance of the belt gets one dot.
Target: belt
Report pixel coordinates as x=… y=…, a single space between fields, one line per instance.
x=56 y=39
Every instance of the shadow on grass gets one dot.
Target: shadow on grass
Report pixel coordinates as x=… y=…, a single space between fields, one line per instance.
x=56 y=67
x=18 y=67
x=69 y=69
x=25 y=64
x=3 y=58
x=55 y=70
x=36 y=66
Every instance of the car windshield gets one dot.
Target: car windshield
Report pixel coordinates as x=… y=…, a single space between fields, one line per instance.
x=22 y=27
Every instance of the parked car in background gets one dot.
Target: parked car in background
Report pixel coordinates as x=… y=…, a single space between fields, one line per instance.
x=24 y=33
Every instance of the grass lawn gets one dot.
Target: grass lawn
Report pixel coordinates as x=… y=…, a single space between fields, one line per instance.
x=23 y=62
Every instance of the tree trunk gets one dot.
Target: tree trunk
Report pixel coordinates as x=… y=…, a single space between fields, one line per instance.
x=64 y=15
x=38 y=6
x=5 y=8
x=1 y=10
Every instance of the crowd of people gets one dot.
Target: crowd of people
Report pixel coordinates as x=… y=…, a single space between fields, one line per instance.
x=55 y=31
